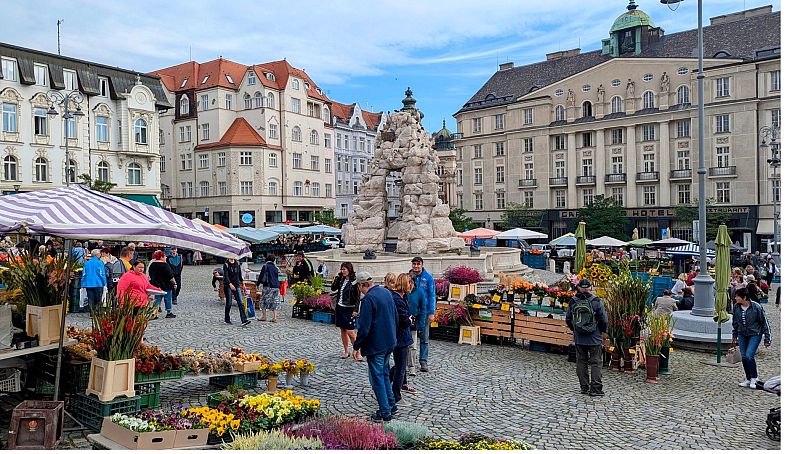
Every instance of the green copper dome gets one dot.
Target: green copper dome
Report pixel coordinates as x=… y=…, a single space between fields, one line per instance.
x=444 y=133
x=631 y=18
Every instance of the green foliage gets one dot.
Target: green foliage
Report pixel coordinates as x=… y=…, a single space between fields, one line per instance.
x=40 y=278
x=407 y=433
x=317 y=282
x=326 y=217
x=604 y=216
x=690 y=213
x=519 y=215
x=272 y=440
x=460 y=221
x=96 y=185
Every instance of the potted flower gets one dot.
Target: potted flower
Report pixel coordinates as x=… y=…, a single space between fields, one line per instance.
x=289 y=367
x=270 y=372
x=539 y=289
x=658 y=335
x=441 y=289
x=304 y=369
x=117 y=333
x=626 y=298
x=462 y=281
x=524 y=289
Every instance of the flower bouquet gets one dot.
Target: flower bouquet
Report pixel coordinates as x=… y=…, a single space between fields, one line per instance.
x=270 y=370
x=304 y=368
x=303 y=290
x=455 y=314
x=202 y=363
x=152 y=364
x=539 y=289
x=659 y=335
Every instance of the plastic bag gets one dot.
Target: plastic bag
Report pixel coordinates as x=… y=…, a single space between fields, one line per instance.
x=248 y=307
x=104 y=297
x=83 y=297
x=733 y=355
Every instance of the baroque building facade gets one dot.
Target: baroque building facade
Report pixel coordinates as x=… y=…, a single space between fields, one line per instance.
x=246 y=145
x=116 y=140
x=622 y=121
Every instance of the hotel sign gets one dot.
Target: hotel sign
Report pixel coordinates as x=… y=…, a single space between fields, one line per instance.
x=659 y=212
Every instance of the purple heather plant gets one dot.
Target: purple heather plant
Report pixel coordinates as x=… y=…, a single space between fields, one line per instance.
x=441 y=288
x=462 y=275
x=346 y=433
x=319 y=303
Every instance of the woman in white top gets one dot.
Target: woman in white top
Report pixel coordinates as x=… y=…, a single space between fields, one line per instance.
x=679 y=284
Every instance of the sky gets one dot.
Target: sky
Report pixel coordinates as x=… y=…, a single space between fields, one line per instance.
x=356 y=51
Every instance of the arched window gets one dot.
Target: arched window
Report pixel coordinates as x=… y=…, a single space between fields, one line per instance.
x=315 y=138
x=586 y=109
x=72 y=171
x=617 y=104
x=648 y=100
x=10 y=168
x=134 y=174
x=683 y=95
x=258 y=101
x=270 y=100
x=41 y=169
x=185 y=105
x=560 y=113
x=247 y=101
x=296 y=135
x=103 y=171
x=141 y=136
x=326 y=115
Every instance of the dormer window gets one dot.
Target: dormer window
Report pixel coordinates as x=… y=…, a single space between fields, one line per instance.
x=185 y=105
x=102 y=87
x=319 y=91
x=250 y=78
x=270 y=76
x=229 y=79
x=205 y=79
x=184 y=82
x=295 y=84
x=308 y=87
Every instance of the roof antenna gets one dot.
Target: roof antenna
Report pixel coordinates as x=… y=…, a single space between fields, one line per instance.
x=189 y=53
x=59 y=36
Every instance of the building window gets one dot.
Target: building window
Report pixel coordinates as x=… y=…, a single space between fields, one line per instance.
x=296 y=84
x=204 y=102
x=203 y=160
x=478 y=201
x=528 y=199
x=528 y=145
x=272 y=188
x=221 y=159
x=162 y=164
x=560 y=198
x=587 y=167
x=103 y=87
x=722 y=87
x=41 y=170
x=250 y=78
x=246 y=187
x=258 y=100
x=355 y=141
x=273 y=159
x=649 y=162
x=297 y=161
x=527 y=115
x=315 y=138
x=41 y=75
x=586 y=139
x=586 y=109
x=270 y=100
x=682 y=71
x=615 y=82
x=617 y=104
x=460 y=177
x=648 y=100
x=222 y=188
x=499 y=148
x=560 y=169
x=273 y=131
x=722 y=156
x=315 y=189
x=10 y=70
x=500 y=196
x=140 y=132
x=617 y=195
x=9 y=165
x=70 y=128
x=478 y=151
x=134 y=174
x=204 y=189
x=649 y=195
x=102 y=129
x=315 y=163
x=776 y=117
x=70 y=79
x=722 y=123
x=776 y=190
x=103 y=170
x=297 y=136
x=247 y=101
x=617 y=136
x=560 y=113
x=228 y=101
x=617 y=164
x=560 y=142
x=297 y=188
x=185 y=105
x=500 y=174
x=328 y=192
x=9 y=117
x=528 y=171
x=356 y=187
x=205 y=131
x=295 y=105
x=683 y=191
x=683 y=95
x=648 y=132
x=476 y=124
x=683 y=128
x=184 y=189
x=246 y=158
x=722 y=192
x=775 y=80
x=327 y=140
x=588 y=196
x=499 y=121
x=683 y=159
x=40 y=122
x=478 y=176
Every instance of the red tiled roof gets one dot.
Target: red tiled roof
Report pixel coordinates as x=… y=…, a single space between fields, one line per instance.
x=343 y=113
x=282 y=70
x=216 y=72
x=239 y=134
x=372 y=119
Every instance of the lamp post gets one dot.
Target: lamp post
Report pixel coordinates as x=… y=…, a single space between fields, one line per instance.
x=772 y=133
x=703 y=304
x=57 y=98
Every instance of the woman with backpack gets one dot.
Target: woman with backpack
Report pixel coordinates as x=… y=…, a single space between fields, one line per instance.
x=270 y=289
x=749 y=325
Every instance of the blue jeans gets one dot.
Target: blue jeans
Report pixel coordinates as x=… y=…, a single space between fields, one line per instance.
x=379 y=375
x=748 y=346
x=423 y=343
x=94 y=297
x=167 y=298
x=228 y=294
x=399 y=371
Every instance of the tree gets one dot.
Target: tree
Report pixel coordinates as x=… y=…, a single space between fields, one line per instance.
x=96 y=185
x=326 y=217
x=519 y=215
x=460 y=221
x=690 y=213
x=604 y=216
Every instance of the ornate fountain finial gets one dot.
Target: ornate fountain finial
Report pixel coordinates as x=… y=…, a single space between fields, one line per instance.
x=408 y=101
x=138 y=82
x=444 y=123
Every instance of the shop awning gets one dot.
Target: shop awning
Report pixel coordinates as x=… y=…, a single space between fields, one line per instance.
x=142 y=198
x=765 y=227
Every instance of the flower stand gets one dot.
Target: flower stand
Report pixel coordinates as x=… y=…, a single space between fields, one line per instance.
x=43 y=322
x=272 y=383
x=111 y=379
x=664 y=360
x=458 y=292
x=304 y=379
x=469 y=335
x=652 y=369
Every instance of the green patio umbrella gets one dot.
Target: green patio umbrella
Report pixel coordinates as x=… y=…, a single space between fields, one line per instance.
x=580 y=246
x=642 y=242
x=722 y=273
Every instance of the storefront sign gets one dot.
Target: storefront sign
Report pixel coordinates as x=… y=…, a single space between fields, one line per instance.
x=658 y=212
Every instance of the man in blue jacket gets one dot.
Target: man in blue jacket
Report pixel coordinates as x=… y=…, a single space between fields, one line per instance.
x=375 y=340
x=94 y=279
x=423 y=280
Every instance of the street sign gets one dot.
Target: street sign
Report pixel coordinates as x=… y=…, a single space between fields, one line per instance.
x=247 y=218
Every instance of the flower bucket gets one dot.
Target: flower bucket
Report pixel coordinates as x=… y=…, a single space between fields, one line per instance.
x=44 y=323
x=652 y=369
x=272 y=383
x=289 y=380
x=111 y=379
x=616 y=356
x=469 y=335
x=664 y=358
x=304 y=379
x=628 y=359
x=510 y=296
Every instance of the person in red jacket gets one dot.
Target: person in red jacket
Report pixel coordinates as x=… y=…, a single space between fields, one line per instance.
x=690 y=276
x=135 y=283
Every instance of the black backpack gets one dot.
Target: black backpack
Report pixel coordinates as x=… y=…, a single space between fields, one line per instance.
x=583 y=317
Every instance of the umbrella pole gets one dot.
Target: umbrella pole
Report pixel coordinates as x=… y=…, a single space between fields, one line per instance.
x=718 y=344
x=66 y=298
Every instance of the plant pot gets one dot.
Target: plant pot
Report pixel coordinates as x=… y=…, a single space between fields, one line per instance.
x=664 y=360
x=272 y=383
x=628 y=359
x=111 y=379
x=469 y=335
x=652 y=369
x=289 y=380
x=304 y=379
x=616 y=356
x=44 y=323
x=510 y=297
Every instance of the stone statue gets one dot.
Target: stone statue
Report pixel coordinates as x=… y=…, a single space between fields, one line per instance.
x=570 y=97
x=601 y=93
x=664 y=82
x=630 y=88
x=635 y=235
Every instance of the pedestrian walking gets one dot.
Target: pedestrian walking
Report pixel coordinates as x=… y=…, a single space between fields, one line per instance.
x=176 y=262
x=749 y=325
x=587 y=319
x=94 y=279
x=417 y=303
x=233 y=288
x=403 y=338
x=771 y=271
x=376 y=339
x=197 y=257
x=161 y=276
x=345 y=299
x=270 y=289
x=424 y=281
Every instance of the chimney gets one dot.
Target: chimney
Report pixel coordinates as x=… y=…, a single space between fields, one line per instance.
x=563 y=54
x=504 y=66
x=726 y=18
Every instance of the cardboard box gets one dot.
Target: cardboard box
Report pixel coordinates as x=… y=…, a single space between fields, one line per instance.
x=137 y=440
x=191 y=438
x=251 y=366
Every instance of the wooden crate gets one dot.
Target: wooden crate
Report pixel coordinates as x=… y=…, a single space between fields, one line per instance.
x=498 y=325
x=545 y=330
x=459 y=292
x=36 y=424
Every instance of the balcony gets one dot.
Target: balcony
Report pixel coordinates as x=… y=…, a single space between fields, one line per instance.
x=615 y=178
x=647 y=176
x=558 y=181
x=681 y=174
x=527 y=182
x=585 y=180
x=728 y=171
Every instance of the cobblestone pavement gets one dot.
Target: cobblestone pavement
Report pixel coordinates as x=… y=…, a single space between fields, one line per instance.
x=502 y=391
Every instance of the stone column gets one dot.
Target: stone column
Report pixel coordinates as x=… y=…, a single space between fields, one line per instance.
x=664 y=156
x=631 y=166
x=572 y=172
x=601 y=163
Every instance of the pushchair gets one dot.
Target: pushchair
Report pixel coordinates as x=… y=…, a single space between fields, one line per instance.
x=772 y=385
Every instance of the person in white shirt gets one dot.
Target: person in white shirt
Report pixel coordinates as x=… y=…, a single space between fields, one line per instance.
x=321 y=269
x=679 y=284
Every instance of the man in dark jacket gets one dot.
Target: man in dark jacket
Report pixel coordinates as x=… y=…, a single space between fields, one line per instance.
x=376 y=339
x=588 y=343
x=233 y=286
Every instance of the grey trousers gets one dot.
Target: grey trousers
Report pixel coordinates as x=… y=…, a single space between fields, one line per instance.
x=589 y=357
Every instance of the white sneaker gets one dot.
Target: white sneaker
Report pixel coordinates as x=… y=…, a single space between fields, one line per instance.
x=753 y=383
x=744 y=384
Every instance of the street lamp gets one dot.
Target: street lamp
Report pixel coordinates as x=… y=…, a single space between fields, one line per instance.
x=772 y=133
x=57 y=98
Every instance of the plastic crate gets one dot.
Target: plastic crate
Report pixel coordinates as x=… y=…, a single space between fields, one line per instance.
x=213 y=399
x=323 y=317
x=244 y=381
x=538 y=347
x=77 y=376
x=45 y=388
x=167 y=375
x=91 y=412
x=10 y=380
x=444 y=333
x=301 y=312
x=149 y=394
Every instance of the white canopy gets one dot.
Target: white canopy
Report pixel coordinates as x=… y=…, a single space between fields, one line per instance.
x=519 y=234
x=606 y=241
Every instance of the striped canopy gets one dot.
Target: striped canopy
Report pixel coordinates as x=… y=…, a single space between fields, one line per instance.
x=77 y=212
x=689 y=250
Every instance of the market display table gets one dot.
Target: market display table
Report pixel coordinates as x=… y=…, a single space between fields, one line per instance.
x=8 y=354
x=101 y=442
